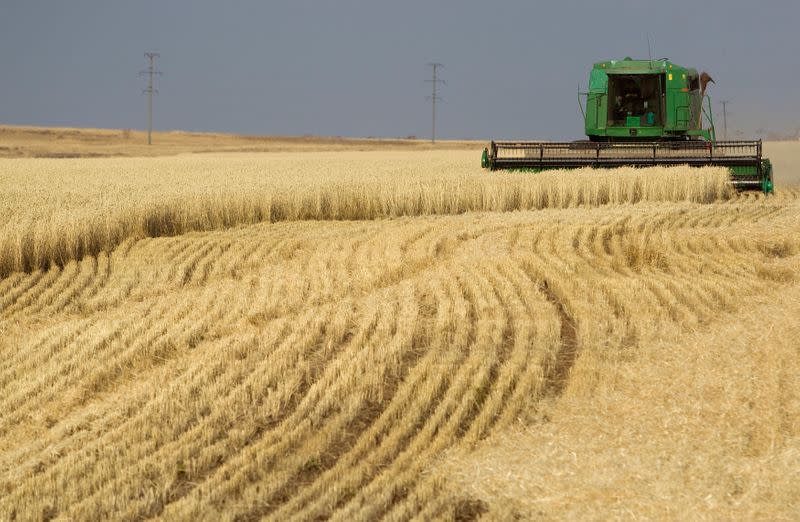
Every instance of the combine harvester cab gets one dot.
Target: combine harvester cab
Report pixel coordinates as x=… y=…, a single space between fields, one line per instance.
x=642 y=113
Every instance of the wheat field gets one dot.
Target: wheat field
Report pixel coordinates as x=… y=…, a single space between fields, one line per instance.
x=394 y=335
x=58 y=210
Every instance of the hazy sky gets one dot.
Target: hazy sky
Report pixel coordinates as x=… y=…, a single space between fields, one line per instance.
x=357 y=68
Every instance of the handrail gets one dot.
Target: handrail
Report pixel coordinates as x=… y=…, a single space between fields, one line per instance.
x=709 y=116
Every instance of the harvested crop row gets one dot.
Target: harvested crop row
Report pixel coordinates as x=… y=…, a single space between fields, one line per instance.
x=313 y=370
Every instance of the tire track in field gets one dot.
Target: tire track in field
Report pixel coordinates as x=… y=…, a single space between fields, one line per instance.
x=348 y=442
x=393 y=431
x=414 y=357
x=448 y=378
x=516 y=380
x=556 y=374
x=450 y=418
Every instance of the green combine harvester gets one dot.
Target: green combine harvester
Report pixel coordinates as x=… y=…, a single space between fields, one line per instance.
x=641 y=113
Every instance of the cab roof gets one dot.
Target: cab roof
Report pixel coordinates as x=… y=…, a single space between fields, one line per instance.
x=630 y=66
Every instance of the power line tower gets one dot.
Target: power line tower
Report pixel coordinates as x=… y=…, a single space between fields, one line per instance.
x=724 y=118
x=150 y=72
x=434 y=97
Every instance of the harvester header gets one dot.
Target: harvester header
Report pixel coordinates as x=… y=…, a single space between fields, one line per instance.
x=642 y=113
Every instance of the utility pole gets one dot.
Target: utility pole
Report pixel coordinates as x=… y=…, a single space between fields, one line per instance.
x=724 y=118
x=150 y=72
x=434 y=97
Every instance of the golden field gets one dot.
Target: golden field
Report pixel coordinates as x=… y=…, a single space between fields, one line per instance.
x=18 y=141
x=395 y=334
x=58 y=210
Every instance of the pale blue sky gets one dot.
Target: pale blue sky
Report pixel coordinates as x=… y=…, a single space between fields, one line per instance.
x=357 y=68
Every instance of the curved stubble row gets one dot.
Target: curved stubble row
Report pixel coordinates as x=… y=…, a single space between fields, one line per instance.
x=444 y=334
x=130 y=329
x=116 y=350
x=206 y=417
x=94 y=502
x=186 y=262
x=531 y=336
x=438 y=416
x=382 y=427
x=132 y=333
x=154 y=406
x=453 y=412
x=311 y=376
